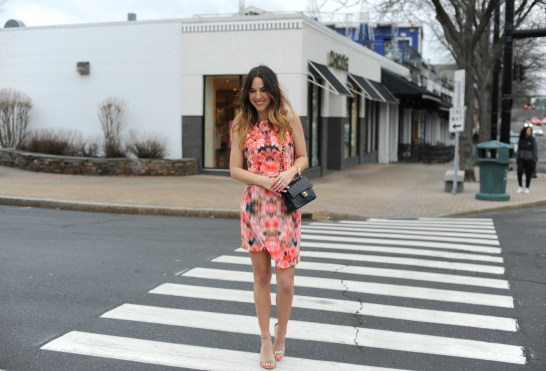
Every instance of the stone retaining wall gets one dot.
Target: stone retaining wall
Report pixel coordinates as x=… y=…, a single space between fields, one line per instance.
x=96 y=166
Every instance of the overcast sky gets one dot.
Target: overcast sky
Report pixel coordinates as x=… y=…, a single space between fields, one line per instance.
x=55 y=12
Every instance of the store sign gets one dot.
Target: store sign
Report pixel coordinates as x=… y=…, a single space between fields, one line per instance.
x=338 y=62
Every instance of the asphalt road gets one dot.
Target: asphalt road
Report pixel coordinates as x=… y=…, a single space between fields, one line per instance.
x=61 y=270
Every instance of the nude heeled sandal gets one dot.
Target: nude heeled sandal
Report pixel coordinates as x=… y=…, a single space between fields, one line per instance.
x=279 y=354
x=262 y=362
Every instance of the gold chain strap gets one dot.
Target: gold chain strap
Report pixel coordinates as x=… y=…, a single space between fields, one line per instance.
x=282 y=155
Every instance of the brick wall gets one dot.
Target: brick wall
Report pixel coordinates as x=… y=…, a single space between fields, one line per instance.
x=96 y=166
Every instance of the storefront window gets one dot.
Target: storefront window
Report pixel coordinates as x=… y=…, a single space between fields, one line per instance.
x=220 y=95
x=351 y=127
x=372 y=121
x=313 y=125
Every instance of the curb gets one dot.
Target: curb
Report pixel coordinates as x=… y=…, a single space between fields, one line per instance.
x=314 y=215
x=136 y=209
x=522 y=205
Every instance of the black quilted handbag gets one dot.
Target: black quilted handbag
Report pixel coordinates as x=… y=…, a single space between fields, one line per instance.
x=299 y=193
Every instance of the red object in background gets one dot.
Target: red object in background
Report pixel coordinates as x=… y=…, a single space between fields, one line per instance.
x=533 y=106
x=526 y=106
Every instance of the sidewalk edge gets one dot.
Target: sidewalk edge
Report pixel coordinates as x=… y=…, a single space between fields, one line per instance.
x=135 y=209
x=521 y=205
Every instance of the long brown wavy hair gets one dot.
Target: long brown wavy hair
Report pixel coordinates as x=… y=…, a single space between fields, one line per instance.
x=277 y=110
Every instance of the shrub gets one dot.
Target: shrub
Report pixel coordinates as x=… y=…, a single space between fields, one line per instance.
x=111 y=112
x=61 y=142
x=151 y=146
x=14 y=114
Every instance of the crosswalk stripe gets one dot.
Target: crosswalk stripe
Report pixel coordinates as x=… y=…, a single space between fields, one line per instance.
x=405 y=237
x=382 y=272
x=438 y=221
x=403 y=251
x=453 y=296
x=337 y=334
x=445 y=233
x=480 y=268
x=345 y=306
x=409 y=227
x=181 y=355
x=387 y=241
x=489 y=220
x=419 y=224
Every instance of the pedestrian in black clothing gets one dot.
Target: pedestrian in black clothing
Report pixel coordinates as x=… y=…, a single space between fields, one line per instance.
x=527 y=157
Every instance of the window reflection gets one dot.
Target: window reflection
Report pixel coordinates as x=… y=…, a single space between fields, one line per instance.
x=220 y=110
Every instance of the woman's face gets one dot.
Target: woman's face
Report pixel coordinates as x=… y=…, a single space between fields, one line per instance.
x=258 y=96
x=528 y=132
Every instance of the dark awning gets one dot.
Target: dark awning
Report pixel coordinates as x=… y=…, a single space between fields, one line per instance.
x=403 y=88
x=373 y=90
x=385 y=93
x=337 y=87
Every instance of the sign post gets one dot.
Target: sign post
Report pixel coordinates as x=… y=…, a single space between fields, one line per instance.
x=456 y=120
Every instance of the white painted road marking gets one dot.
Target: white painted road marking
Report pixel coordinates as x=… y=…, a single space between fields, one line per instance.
x=382 y=272
x=184 y=356
x=481 y=268
x=403 y=251
x=387 y=241
x=311 y=331
x=453 y=226
x=503 y=301
x=410 y=227
x=345 y=306
x=391 y=231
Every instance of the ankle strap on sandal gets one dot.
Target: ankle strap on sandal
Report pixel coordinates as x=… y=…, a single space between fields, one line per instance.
x=278 y=332
x=265 y=337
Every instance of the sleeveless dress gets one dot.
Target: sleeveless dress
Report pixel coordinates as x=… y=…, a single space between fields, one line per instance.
x=265 y=222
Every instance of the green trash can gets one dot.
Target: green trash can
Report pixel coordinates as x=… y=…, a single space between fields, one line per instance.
x=493 y=158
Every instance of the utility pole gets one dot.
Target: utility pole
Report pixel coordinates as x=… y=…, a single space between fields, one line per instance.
x=511 y=34
x=496 y=71
x=507 y=72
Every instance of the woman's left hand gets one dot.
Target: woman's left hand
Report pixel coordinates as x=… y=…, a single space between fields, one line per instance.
x=282 y=181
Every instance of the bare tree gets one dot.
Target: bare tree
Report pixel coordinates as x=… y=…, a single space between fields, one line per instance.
x=463 y=27
x=14 y=117
x=111 y=112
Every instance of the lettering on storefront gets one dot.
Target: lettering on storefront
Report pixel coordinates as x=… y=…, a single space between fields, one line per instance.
x=338 y=62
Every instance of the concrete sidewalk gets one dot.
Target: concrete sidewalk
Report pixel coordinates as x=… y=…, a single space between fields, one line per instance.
x=370 y=190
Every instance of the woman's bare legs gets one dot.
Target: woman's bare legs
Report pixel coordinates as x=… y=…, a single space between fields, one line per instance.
x=261 y=266
x=285 y=294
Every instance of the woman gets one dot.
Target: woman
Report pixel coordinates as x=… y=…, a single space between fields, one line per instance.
x=266 y=130
x=527 y=157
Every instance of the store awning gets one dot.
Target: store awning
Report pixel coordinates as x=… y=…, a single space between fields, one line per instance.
x=385 y=93
x=333 y=83
x=408 y=91
x=373 y=90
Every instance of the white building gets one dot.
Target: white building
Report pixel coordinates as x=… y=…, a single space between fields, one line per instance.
x=179 y=79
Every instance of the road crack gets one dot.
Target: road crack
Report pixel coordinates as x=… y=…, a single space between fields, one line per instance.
x=356 y=313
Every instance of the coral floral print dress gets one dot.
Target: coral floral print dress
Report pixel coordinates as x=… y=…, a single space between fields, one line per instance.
x=265 y=223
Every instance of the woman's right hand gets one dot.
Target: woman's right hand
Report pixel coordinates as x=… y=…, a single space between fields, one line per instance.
x=271 y=185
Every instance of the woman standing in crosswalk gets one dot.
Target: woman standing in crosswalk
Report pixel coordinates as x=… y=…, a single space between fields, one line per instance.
x=265 y=131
